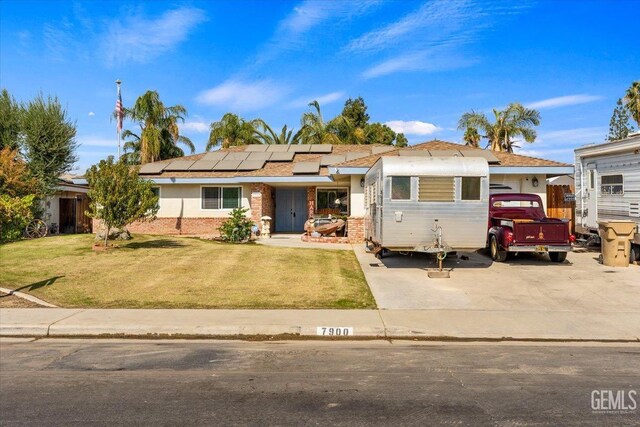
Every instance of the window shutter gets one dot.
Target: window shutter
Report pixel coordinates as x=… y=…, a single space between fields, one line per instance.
x=436 y=189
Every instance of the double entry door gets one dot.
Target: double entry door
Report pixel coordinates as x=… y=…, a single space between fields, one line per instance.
x=291 y=209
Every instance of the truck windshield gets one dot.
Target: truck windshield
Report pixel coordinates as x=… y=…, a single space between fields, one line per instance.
x=516 y=204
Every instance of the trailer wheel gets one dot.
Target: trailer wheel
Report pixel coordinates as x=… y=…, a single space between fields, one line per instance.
x=634 y=253
x=558 y=256
x=496 y=254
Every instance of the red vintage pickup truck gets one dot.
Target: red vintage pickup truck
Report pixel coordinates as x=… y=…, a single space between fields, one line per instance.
x=517 y=223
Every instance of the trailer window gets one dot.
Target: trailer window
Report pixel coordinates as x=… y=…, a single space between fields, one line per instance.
x=592 y=179
x=400 y=188
x=470 y=188
x=611 y=184
x=436 y=189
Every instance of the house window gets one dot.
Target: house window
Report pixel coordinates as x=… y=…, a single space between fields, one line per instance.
x=611 y=184
x=400 y=188
x=332 y=201
x=436 y=189
x=470 y=188
x=156 y=192
x=221 y=197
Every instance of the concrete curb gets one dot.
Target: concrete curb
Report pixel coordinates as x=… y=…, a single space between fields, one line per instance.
x=397 y=324
x=27 y=297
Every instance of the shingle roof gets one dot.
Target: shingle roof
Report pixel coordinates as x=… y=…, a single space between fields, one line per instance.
x=286 y=168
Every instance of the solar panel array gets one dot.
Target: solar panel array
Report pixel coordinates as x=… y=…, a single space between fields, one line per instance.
x=254 y=157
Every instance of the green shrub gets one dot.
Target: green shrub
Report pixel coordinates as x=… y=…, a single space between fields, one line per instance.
x=15 y=214
x=236 y=229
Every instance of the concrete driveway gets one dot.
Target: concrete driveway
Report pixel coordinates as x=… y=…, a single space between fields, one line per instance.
x=529 y=283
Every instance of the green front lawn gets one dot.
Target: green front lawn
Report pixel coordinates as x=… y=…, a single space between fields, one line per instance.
x=175 y=272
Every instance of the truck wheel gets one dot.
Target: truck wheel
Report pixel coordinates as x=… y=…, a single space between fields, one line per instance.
x=558 y=256
x=496 y=254
x=634 y=253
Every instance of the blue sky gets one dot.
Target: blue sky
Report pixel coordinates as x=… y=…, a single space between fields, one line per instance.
x=419 y=65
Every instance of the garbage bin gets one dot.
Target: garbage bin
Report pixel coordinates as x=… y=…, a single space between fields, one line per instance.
x=616 y=242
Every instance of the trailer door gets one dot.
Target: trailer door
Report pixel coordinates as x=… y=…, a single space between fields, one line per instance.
x=591 y=220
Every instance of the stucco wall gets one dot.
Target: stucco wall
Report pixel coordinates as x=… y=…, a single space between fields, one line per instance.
x=357 y=196
x=184 y=201
x=522 y=184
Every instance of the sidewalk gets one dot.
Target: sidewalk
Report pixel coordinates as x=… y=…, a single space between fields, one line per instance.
x=462 y=324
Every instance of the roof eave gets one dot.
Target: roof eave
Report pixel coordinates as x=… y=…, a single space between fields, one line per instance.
x=518 y=170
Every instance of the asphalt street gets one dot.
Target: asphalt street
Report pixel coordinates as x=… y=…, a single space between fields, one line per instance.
x=128 y=382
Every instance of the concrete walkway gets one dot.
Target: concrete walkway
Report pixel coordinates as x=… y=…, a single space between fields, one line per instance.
x=295 y=241
x=495 y=324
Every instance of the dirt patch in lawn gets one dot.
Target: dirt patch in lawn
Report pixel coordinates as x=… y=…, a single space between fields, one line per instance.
x=12 y=301
x=174 y=272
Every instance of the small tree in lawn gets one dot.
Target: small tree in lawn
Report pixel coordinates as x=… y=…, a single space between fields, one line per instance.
x=119 y=196
x=236 y=229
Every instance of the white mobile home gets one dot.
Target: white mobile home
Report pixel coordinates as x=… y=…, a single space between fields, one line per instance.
x=607 y=180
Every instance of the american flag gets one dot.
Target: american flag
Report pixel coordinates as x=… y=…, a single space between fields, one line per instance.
x=119 y=112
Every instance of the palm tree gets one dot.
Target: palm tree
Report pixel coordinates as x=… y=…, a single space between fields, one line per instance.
x=268 y=136
x=159 y=131
x=233 y=130
x=472 y=137
x=514 y=121
x=632 y=100
x=314 y=129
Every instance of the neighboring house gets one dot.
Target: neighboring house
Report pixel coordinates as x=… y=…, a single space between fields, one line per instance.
x=608 y=184
x=292 y=183
x=65 y=210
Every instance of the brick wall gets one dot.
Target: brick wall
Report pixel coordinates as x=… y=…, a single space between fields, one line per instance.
x=174 y=226
x=262 y=203
x=311 y=201
x=355 y=229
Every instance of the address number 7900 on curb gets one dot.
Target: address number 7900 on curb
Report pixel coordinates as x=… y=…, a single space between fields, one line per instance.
x=334 y=331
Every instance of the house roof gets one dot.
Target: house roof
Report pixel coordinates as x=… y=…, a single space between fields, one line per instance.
x=273 y=161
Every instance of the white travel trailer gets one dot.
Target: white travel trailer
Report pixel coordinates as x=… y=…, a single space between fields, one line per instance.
x=608 y=186
x=410 y=200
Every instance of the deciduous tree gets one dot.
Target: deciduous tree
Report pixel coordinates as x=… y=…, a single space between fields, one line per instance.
x=118 y=196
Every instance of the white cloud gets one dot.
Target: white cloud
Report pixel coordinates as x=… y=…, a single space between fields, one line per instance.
x=429 y=60
x=97 y=141
x=292 y=31
x=199 y=127
x=563 y=101
x=243 y=96
x=91 y=114
x=322 y=99
x=412 y=127
x=140 y=39
x=431 y=38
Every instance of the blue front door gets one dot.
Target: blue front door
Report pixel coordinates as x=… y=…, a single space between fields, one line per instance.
x=291 y=209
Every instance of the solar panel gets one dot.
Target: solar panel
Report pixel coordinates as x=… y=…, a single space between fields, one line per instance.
x=237 y=155
x=356 y=155
x=179 y=165
x=152 y=168
x=299 y=148
x=259 y=156
x=251 y=165
x=321 y=148
x=415 y=153
x=281 y=157
x=378 y=150
x=277 y=148
x=227 y=165
x=332 y=159
x=215 y=155
x=306 y=167
x=203 y=165
x=481 y=153
x=256 y=147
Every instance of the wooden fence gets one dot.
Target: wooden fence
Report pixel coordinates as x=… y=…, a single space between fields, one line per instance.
x=557 y=207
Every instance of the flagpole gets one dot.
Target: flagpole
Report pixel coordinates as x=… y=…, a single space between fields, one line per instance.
x=118 y=120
